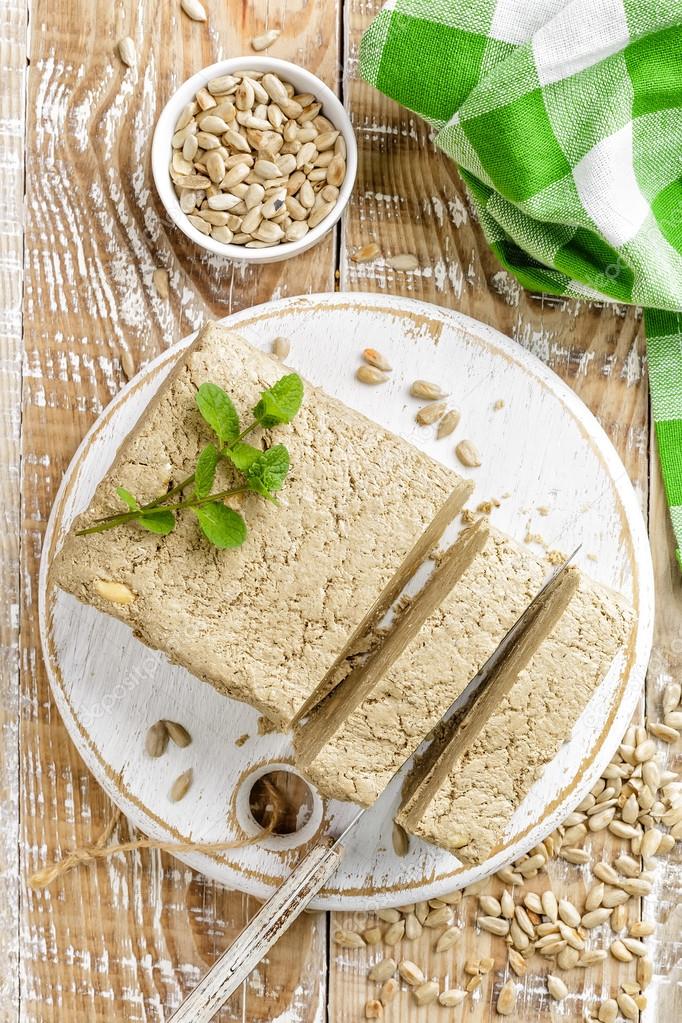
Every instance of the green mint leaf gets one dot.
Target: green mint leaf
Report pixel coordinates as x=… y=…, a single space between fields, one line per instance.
x=157 y=520
x=204 y=471
x=219 y=412
x=243 y=456
x=268 y=472
x=281 y=402
x=127 y=498
x=223 y=526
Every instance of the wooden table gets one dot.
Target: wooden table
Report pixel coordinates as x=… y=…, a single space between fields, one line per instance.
x=81 y=232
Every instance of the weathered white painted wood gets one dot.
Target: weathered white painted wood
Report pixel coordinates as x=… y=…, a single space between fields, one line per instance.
x=110 y=689
x=12 y=100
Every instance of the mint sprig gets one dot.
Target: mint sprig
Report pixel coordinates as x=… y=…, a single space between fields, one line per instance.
x=264 y=469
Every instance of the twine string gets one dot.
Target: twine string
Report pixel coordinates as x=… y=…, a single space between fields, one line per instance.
x=99 y=849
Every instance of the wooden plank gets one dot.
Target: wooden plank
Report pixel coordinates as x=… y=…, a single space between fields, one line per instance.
x=12 y=74
x=409 y=198
x=124 y=940
x=663 y=905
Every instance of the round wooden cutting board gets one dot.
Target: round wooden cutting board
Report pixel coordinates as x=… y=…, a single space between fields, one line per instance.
x=544 y=458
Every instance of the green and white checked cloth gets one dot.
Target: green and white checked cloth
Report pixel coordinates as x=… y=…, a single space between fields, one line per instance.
x=566 y=121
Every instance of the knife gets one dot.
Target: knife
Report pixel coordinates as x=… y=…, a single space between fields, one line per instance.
x=277 y=914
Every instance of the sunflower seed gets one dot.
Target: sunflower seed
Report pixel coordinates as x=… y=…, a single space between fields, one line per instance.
x=193 y=9
x=366 y=253
x=410 y=973
x=349 y=939
x=181 y=786
x=427 y=993
x=448 y=424
x=389 y=989
x=556 y=987
x=620 y=952
x=116 y=593
x=608 y=1011
x=394 y=933
x=627 y=1005
x=156 y=741
x=641 y=928
x=431 y=413
x=428 y=391
x=178 y=733
x=402 y=261
x=671 y=697
x=468 y=455
x=160 y=282
x=663 y=732
x=262 y=42
x=506 y=1000
x=382 y=970
x=453 y=996
x=372 y=936
x=595 y=918
x=375 y=358
x=493 y=924
x=645 y=971
x=370 y=375
x=438 y=917
x=595 y=955
x=126 y=51
x=490 y=905
x=448 y=938
x=127 y=364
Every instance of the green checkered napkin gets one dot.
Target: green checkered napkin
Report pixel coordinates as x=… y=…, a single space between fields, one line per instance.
x=566 y=121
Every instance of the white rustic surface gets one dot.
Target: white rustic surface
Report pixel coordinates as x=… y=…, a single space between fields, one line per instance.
x=544 y=450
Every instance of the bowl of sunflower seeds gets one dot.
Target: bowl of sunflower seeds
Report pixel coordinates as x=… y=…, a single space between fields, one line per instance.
x=254 y=159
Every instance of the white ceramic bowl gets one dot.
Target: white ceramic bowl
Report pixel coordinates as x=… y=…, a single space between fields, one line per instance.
x=303 y=81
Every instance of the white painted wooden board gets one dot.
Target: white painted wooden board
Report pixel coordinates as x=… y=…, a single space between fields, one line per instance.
x=543 y=449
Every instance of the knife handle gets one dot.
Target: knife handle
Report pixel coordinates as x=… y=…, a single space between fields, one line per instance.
x=271 y=921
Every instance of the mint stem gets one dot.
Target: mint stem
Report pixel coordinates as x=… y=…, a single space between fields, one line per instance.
x=159 y=502
x=102 y=525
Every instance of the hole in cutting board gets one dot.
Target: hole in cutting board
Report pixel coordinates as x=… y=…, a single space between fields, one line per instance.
x=285 y=795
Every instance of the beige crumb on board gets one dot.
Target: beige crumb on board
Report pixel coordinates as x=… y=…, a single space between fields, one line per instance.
x=486 y=507
x=266 y=726
x=535 y=538
x=242 y=739
x=543 y=510
x=592 y=556
x=556 y=557
x=498 y=404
